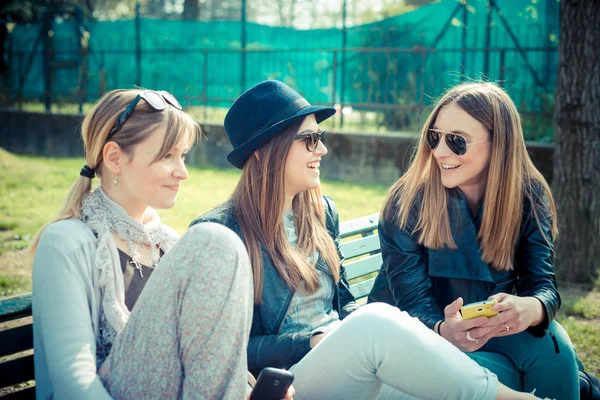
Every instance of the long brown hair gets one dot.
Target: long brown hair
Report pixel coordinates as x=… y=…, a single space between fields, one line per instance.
x=512 y=177
x=181 y=129
x=259 y=201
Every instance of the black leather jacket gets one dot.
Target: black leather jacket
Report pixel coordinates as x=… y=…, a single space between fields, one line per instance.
x=423 y=281
x=267 y=348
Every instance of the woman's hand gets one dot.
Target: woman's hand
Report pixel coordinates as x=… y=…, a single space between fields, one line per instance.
x=288 y=396
x=290 y=393
x=516 y=313
x=316 y=338
x=468 y=335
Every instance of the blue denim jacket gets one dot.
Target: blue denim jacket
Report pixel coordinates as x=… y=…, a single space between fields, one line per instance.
x=423 y=281
x=267 y=347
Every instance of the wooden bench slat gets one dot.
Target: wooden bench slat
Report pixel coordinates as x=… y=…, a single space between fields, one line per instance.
x=359 y=225
x=15 y=340
x=15 y=307
x=362 y=289
x=364 y=266
x=361 y=246
x=25 y=394
x=16 y=371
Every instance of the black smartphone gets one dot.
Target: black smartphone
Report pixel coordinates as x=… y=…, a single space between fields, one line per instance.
x=272 y=384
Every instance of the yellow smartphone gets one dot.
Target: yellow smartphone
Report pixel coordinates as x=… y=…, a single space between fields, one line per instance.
x=479 y=309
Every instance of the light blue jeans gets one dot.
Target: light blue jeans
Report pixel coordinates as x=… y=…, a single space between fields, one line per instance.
x=524 y=363
x=380 y=352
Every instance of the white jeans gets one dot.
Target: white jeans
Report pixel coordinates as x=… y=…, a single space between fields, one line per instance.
x=379 y=352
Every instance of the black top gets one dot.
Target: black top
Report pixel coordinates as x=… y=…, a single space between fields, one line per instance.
x=132 y=279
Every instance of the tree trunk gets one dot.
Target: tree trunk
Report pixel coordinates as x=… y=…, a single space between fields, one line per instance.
x=191 y=10
x=576 y=178
x=280 y=7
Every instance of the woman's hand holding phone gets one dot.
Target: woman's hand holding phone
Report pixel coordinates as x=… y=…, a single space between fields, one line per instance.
x=467 y=334
x=273 y=384
x=516 y=314
x=288 y=396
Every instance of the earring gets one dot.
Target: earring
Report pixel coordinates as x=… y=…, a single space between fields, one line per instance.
x=116 y=181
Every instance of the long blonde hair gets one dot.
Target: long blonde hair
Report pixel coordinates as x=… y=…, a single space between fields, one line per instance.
x=259 y=201
x=181 y=128
x=512 y=177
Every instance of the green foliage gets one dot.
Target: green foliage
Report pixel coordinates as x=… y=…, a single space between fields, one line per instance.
x=586 y=306
x=29 y=11
x=11 y=285
x=366 y=13
x=539 y=126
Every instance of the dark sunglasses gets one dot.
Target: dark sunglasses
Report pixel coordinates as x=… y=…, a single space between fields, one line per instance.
x=312 y=139
x=456 y=142
x=159 y=100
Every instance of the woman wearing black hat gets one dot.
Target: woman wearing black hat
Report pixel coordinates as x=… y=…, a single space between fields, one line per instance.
x=304 y=315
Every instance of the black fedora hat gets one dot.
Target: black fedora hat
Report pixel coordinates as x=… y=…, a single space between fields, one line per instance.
x=263 y=111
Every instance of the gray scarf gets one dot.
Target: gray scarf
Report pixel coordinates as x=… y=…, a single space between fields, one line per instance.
x=105 y=218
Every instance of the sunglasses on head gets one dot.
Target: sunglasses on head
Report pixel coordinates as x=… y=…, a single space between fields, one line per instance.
x=159 y=100
x=456 y=142
x=312 y=139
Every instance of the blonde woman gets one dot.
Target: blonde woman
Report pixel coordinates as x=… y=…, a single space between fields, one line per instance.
x=305 y=318
x=473 y=219
x=121 y=307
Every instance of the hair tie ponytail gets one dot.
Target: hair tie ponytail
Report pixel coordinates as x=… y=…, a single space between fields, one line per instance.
x=87 y=172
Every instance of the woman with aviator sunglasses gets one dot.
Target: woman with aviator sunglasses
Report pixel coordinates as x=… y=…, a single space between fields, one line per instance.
x=122 y=307
x=305 y=318
x=472 y=219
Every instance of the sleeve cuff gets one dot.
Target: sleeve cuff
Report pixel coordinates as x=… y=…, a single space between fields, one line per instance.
x=540 y=330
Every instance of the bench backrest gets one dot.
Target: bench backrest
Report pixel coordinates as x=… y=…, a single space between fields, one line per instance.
x=16 y=345
x=360 y=246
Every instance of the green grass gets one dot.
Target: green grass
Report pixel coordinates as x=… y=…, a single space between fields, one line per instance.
x=32 y=190
x=586 y=309
x=586 y=337
x=11 y=285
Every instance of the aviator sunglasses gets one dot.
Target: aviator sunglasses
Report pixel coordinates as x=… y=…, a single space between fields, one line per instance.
x=156 y=99
x=456 y=142
x=312 y=139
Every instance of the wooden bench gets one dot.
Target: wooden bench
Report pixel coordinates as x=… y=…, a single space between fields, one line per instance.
x=360 y=245
x=16 y=344
x=362 y=254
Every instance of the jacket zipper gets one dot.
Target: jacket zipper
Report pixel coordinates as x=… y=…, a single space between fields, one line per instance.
x=282 y=316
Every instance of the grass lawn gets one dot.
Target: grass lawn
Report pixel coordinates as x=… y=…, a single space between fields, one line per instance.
x=32 y=190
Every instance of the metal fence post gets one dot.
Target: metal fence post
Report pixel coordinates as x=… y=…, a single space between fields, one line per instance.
x=48 y=58
x=488 y=40
x=205 y=85
x=464 y=43
x=243 y=46
x=102 y=75
x=422 y=71
x=138 y=47
x=334 y=87
x=502 y=67
x=344 y=44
